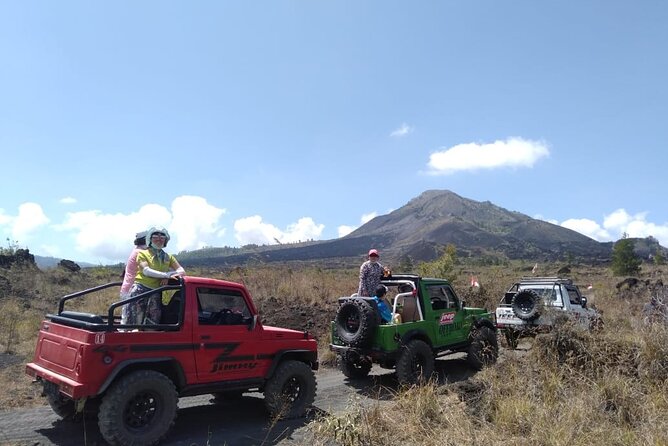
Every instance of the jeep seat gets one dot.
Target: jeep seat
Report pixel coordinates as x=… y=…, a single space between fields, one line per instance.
x=409 y=310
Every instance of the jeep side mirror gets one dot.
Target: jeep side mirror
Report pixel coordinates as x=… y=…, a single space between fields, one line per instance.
x=463 y=304
x=584 y=302
x=253 y=323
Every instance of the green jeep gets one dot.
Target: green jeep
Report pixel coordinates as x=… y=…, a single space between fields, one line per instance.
x=429 y=321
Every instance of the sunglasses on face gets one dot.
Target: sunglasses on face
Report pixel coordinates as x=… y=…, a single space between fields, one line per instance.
x=158 y=236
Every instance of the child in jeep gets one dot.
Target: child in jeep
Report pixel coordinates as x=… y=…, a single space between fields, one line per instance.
x=383 y=306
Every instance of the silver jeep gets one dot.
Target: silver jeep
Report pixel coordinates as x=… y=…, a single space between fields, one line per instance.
x=534 y=304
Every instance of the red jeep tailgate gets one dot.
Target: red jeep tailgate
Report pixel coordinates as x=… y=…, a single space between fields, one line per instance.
x=58 y=356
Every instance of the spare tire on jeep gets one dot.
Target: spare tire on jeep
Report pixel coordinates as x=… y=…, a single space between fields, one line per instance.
x=355 y=322
x=526 y=305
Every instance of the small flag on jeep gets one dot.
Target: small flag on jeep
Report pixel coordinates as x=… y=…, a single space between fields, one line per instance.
x=535 y=267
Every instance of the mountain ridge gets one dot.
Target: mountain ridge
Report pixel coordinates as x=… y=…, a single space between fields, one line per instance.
x=422 y=227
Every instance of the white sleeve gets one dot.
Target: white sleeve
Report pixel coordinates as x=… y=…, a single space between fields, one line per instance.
x=150 y=272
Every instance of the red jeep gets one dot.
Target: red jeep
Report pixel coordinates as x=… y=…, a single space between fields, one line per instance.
x=209 y=340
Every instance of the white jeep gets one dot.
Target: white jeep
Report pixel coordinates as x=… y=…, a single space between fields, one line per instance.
x=534 y=304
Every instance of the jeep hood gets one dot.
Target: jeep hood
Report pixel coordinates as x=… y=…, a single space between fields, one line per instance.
x=285 y=333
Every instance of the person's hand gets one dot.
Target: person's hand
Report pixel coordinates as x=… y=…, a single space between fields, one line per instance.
x=164 y=282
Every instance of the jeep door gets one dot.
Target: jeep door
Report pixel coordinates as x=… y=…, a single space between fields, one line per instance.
x=226 y=345
x=573 y=297
x=448 y=324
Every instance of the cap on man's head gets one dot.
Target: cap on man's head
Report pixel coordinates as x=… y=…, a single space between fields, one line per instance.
x=373 y=253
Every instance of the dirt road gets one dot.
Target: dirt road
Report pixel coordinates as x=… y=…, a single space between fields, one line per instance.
x=242 y=423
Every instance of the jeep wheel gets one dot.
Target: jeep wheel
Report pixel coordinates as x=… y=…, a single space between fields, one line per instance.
x=526 y=305
x=290 y=391
x=415 y=364
x=355 y=322
x=138 y=409
x=355 y=368
x=63 y=407
x=484 y=348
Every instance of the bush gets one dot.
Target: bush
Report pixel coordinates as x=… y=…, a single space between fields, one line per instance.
x=624 y=260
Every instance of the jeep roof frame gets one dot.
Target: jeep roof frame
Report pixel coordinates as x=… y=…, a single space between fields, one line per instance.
x=542 y=280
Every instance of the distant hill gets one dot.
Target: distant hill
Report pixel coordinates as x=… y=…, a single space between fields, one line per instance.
x=422 y=227
x=46 y=262
x=441 y=217
x=52 y=262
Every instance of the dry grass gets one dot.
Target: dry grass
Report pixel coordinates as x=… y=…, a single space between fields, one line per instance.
x=570 y=388
x=587 y=392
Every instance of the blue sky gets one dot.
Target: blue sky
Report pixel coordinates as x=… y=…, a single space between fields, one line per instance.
x=248 y=122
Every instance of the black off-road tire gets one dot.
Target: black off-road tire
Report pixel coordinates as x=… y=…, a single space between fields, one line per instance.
x=290 y=392
x=484 y=348
x=355 y=368
x=415 y=364
x=66 y=409
x=526 y=305
x=139 y=409
x=63 y=407
x=355 y=322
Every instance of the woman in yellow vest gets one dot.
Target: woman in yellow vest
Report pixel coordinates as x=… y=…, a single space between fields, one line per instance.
x=155 y=267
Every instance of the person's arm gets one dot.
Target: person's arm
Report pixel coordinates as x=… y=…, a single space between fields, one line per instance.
x=150 y=272
x=364 y=279
x=177 y=269
x=130 y=272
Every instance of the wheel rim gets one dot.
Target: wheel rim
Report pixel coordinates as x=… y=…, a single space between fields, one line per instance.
x=292 y=390
x=352 y=323
x=525 y=305
x=141 y=410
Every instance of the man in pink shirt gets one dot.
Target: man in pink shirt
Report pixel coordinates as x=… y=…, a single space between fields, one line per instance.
x=131 y=271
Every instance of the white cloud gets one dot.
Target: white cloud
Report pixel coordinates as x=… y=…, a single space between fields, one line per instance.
x=21 y=227
x=344 y=230
x=4 y=218
x=366 y=218
x=615 y=225
x=540 y=217
x=513 y=152
x=619 y=219
x=31 y=216
x=403 y=130
x=50 y=250
x=252 y=230
x=192 y=224
x=304 y=229
x=68 y=200
x=196 y=222
x=636 y=225
x=110 y=236
x=587 y=227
